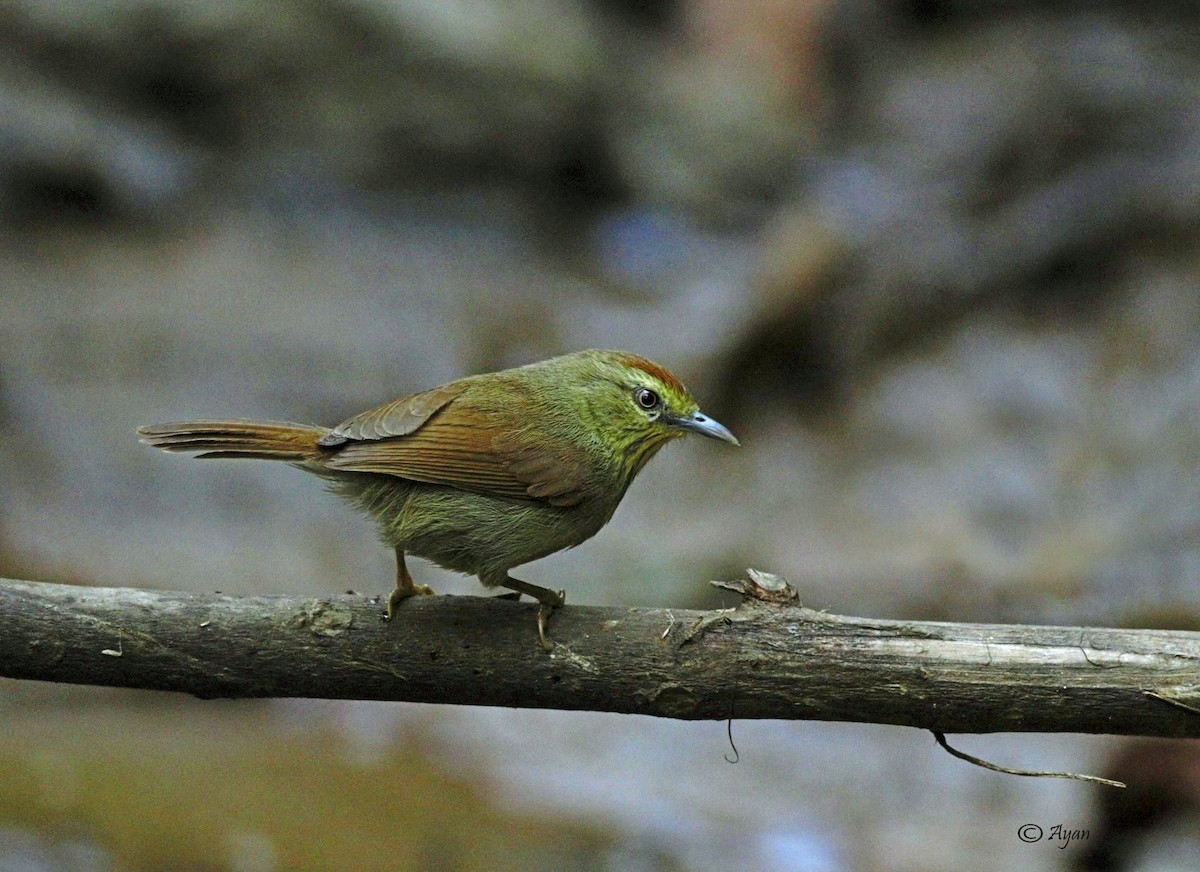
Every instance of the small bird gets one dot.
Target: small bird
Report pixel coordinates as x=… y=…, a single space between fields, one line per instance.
x=487 y=472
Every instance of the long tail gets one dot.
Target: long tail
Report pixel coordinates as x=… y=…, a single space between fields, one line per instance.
x=266 y=440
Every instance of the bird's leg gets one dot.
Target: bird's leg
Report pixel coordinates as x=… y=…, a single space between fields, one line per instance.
x=549 y=602
x=404 y=586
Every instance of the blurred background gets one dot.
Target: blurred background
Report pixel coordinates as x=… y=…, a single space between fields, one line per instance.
x=934 y=262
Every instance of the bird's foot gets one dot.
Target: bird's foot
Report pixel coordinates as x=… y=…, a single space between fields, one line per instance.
x=400 y=594
x=549 y=600
x=548 y=603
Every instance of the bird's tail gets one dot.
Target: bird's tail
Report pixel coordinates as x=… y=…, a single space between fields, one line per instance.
x=266 y=440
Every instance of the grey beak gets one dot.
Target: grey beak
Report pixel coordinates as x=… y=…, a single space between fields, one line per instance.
x=705 y=426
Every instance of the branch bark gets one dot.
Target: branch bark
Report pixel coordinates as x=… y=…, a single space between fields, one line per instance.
x=768 y=658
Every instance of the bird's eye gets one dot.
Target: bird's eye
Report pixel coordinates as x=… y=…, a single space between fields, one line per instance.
x=646 y=398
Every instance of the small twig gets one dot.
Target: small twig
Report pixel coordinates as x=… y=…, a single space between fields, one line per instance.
x=1091 y=662
x=702 y=623
x=762 y=586
x=729 y=732
x=1175 y=702
x=1030 y=773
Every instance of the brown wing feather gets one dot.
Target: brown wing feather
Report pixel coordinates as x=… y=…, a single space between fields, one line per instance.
x=397 y=418
x=554 y=473
x=451 y=438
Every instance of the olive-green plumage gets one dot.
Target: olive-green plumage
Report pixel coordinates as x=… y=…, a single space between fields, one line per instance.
x=487 y=472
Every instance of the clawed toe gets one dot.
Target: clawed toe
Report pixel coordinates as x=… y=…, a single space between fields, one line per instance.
x=405 y=587
x=546 y=608
x=400 y=594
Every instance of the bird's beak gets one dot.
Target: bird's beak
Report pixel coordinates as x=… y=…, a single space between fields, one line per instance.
x=705 y=426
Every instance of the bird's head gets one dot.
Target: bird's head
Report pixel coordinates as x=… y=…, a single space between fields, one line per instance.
x=639 y=406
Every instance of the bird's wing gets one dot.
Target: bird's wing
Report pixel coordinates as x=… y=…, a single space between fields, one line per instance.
x=397 y=418
x=445 y=436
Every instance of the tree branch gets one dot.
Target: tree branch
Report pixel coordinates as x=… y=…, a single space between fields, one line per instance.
x=768 y=658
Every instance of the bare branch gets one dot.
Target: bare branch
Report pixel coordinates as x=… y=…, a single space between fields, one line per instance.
x=770 y=655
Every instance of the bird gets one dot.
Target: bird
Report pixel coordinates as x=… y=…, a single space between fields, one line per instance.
x=485 y=473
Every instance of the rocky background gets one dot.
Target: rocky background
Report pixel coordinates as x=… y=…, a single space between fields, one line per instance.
x=933 y=262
